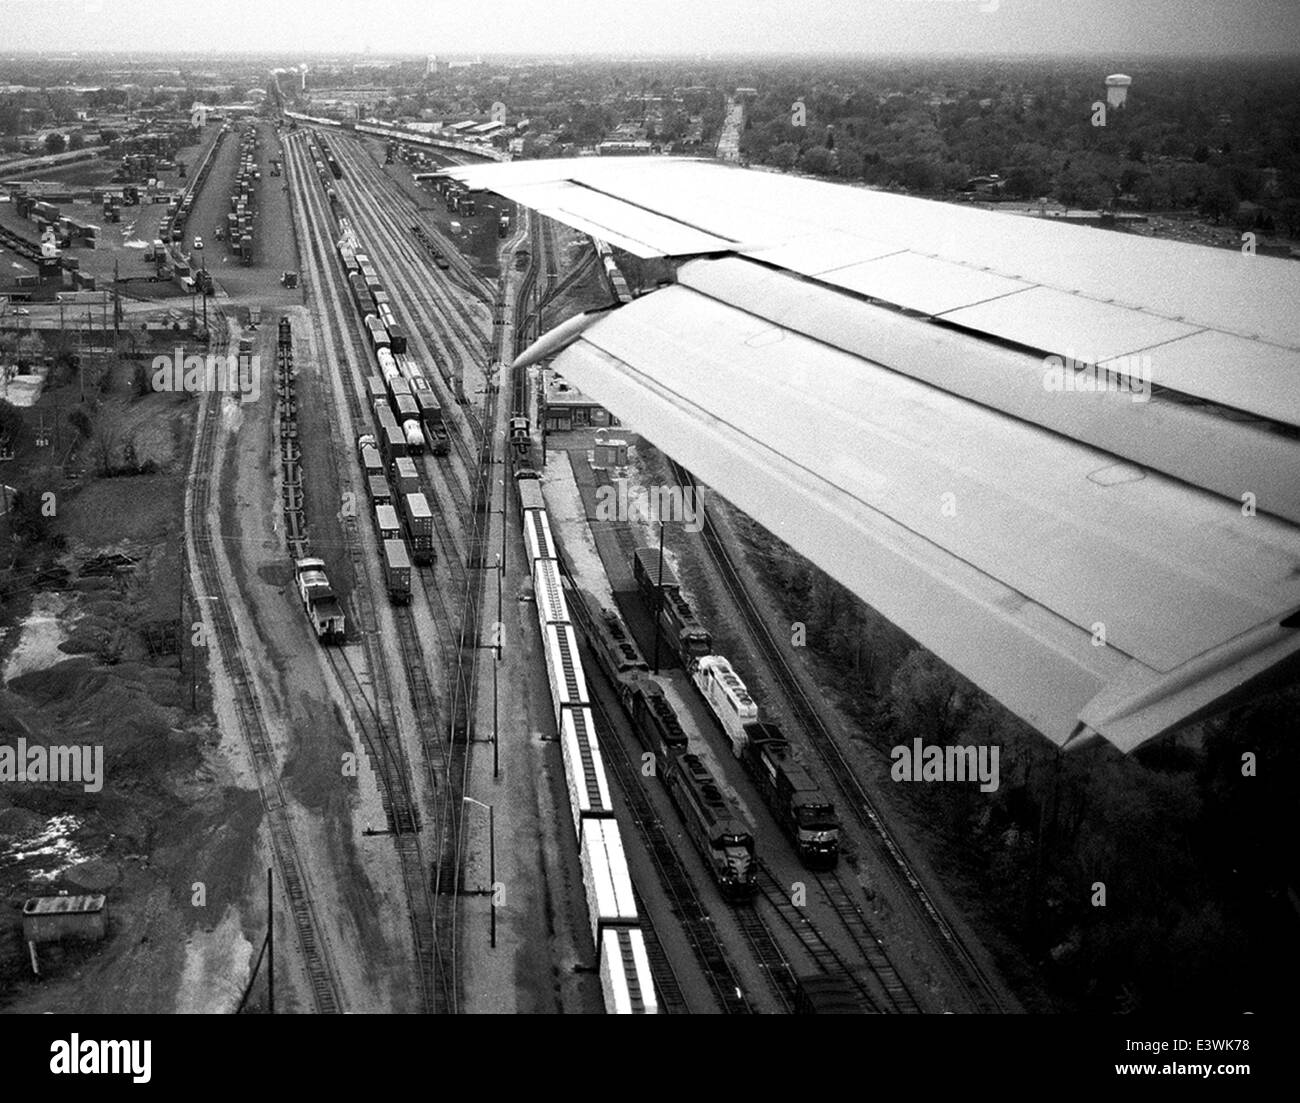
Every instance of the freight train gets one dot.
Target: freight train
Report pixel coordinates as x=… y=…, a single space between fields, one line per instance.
x=617 y=281
x=403 y=520
x=626 y=980
x=804 y=812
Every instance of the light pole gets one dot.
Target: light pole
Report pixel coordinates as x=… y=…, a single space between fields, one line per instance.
x=492 y=863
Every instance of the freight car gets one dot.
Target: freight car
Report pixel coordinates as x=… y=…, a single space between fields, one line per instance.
x=392 y=443
x=626 y=979
x=414 y=437
x=584 y=768
x=397 y=572
x=430 y=410
x=405 y=477
x=387 y=523
x=418 y=519
x=405 y=408
x=378 y=334
x=377 y=485
x=823 y=994
x=679 y=628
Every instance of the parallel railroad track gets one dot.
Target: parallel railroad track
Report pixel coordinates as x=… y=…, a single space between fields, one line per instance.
x=437 y=982
x=965 y=968
x=320 y=968
x=825 y=956
x=688 y=906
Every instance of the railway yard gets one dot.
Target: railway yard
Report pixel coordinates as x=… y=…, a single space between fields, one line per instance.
x=435 y=661
x=643 y=512
x=431 y=656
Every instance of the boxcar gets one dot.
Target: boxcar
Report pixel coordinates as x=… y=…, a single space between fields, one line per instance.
x=397 y=571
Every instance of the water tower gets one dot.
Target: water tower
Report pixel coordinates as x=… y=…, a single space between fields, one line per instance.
x=1117 y=89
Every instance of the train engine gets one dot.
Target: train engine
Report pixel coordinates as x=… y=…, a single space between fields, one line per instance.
x=804 y=812
x=687 y=637
x=319 y=600
x=724 y=842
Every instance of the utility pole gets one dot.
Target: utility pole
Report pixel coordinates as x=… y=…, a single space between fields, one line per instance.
x=501 y=628
x=659 y=594
x=270 y=945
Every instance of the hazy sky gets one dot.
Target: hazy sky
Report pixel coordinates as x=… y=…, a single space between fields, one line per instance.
x=1119 y=28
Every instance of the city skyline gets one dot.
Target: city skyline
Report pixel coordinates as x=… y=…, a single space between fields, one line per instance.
x=1118 y=28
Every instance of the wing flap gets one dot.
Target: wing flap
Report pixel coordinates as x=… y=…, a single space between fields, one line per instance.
x=852 y=464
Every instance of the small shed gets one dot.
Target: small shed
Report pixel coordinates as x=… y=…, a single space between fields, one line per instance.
x=608 y=452
x=54 y=918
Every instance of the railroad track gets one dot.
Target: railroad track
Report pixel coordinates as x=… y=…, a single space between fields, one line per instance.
x=397 y=215
x=437 y=980
x=688 y=906
x=574 y=275
x=768 y=953
x=896 y=996
x=320 y=968
x=965 y=968
x=386 y=247
x=686 y=903
x=825 y=956
x=672 y=1001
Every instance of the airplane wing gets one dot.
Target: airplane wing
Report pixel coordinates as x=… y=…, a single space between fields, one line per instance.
x=894 y=387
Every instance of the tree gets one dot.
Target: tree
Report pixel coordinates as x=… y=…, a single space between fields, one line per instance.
x=1219 y=201
x=55 y=142
x=77 y=141
x=818 y=160
x=12 y=426
x=783 y=156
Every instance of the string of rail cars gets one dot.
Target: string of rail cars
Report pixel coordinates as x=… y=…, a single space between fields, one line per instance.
x=407 y=415
x=617 y=281
x=625 y=976
x=312 y=583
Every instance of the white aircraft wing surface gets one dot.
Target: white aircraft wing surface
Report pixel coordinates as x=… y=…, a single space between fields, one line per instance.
x=890 y=385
